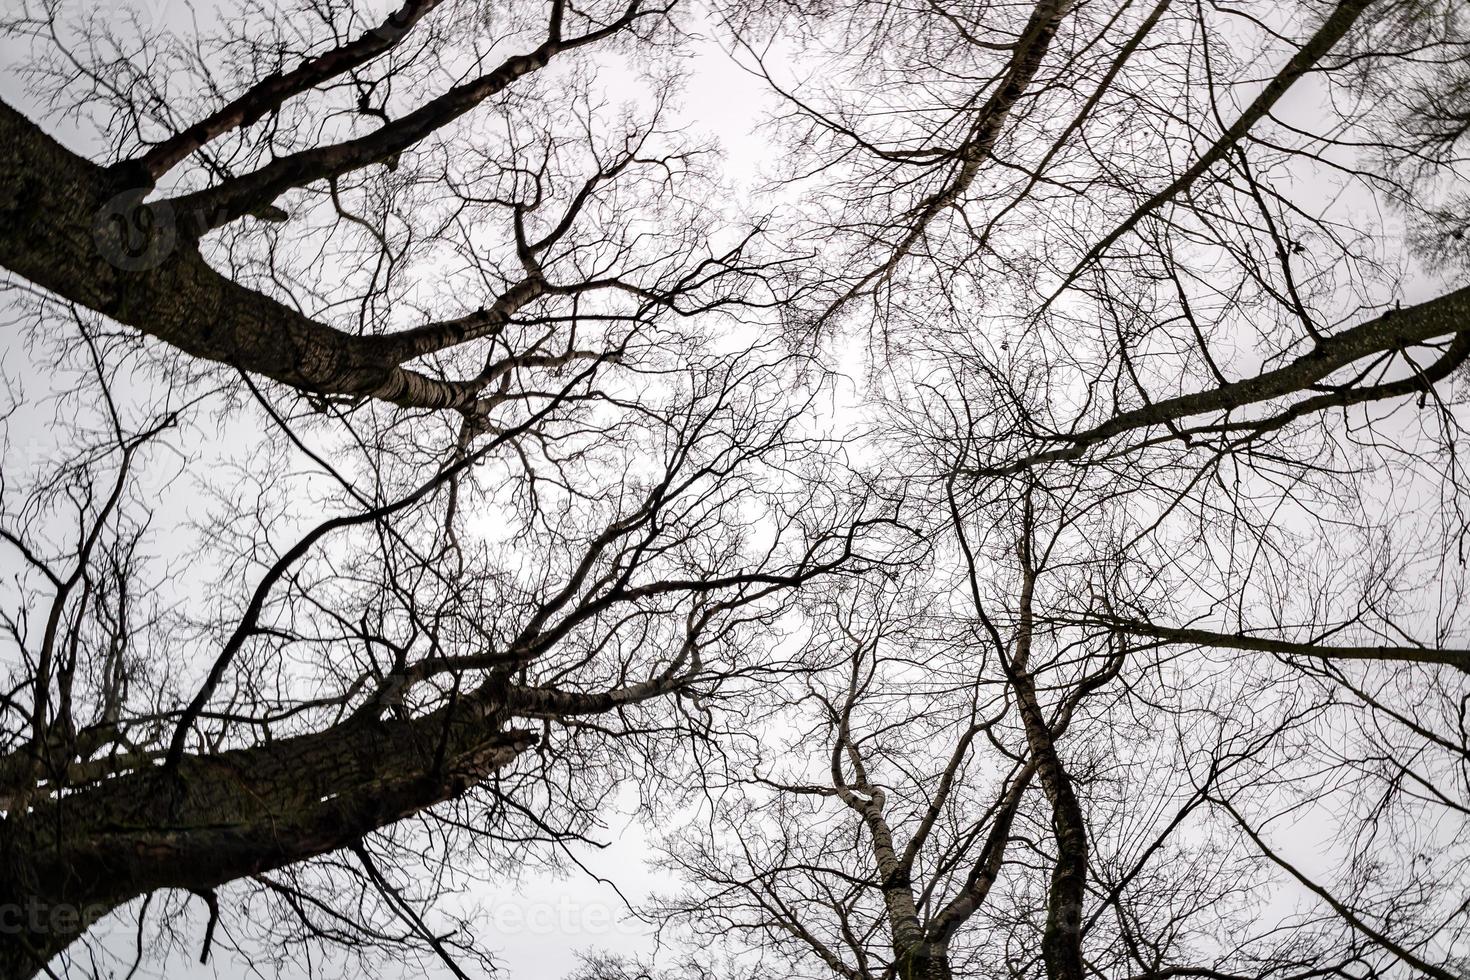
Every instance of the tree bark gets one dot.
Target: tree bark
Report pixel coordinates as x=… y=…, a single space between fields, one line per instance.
x=1061 y=942
x=72 y=858
x=83 y=232
x=927 y=961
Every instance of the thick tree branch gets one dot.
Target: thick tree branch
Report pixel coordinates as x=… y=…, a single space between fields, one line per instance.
x=1397 y=329
x=213 y=207
x=1317 y=47
x=267 y=95
x=1262 y=644
x=237 y=813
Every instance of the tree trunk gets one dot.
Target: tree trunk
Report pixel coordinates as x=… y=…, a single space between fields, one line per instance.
x=71 y=859
x=927 y=961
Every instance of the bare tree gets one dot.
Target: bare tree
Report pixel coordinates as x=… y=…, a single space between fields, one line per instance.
x=1163 y=374
x=409 y=481
x=390 y=661
x=975 y=782
x=512 y=482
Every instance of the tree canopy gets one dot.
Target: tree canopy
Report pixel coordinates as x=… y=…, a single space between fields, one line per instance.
x=1017 y=530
